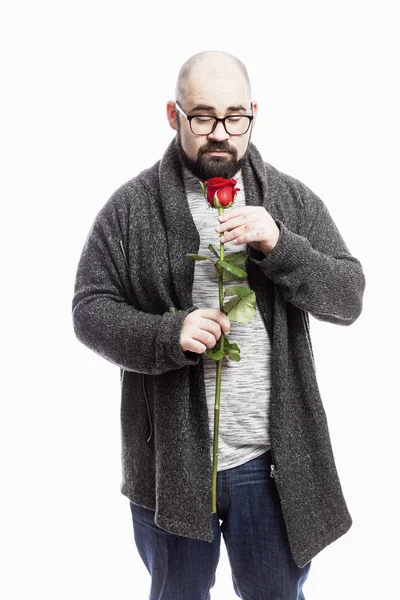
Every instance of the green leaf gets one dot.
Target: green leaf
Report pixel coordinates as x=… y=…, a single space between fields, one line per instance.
x=212 y=249
x=232 y=350
x=239 y=273
x=173 y=309
x=219 y=269
x=217 y=355
x=199 y=257
x=231 y=347
x=241 y=290
x=228 y=306
x=236 y=258
x=226 y=276
x=234 y=357
x=202 y=187
x=241 y=310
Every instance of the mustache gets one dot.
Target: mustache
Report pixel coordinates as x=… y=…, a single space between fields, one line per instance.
x=215 y=146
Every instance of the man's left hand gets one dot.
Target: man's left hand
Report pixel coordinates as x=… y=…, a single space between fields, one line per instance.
x=252 y=225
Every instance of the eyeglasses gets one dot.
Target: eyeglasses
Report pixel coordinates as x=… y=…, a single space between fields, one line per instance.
x=205 y=124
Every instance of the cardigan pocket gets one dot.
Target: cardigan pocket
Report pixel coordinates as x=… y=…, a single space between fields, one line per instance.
x=308 y=336
x=148 y=407
x=142 y=374
x=124 y=253
x=132 y=293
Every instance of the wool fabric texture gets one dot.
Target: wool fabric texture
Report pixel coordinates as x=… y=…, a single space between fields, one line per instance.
x=134 y=267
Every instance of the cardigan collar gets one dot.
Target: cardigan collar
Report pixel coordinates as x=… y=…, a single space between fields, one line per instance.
x=182 y=233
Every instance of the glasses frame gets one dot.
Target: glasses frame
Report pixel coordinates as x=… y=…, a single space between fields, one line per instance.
x=217 y=120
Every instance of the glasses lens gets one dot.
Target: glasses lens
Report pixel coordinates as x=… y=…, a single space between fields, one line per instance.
x=237 y=125
x=233 y=125
x=202 y=125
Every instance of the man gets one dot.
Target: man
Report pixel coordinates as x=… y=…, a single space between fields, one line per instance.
x=279 y=498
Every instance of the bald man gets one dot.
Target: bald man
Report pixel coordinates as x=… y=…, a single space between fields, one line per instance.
x=279 y=497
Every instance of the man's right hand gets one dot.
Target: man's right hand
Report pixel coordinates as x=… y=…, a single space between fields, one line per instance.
x=202 y=328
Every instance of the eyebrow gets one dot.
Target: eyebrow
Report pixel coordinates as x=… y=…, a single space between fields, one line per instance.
x=237 y=107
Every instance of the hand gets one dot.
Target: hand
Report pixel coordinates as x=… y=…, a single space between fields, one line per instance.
x=202 y=328
x=249 y=224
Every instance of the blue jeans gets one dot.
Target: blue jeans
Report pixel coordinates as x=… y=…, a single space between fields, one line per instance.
x=255 y=535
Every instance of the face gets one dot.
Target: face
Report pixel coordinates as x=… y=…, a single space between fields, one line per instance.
x=199 y=153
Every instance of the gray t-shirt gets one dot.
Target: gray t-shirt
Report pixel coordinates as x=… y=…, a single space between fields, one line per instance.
x=245 y=385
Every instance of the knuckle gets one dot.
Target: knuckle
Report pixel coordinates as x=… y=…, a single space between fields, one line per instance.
x=210 y=340
x=191 y=318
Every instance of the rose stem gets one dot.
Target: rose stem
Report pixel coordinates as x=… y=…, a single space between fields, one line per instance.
x=218 y=381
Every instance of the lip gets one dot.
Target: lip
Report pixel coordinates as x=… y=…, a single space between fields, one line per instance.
x=217 y=152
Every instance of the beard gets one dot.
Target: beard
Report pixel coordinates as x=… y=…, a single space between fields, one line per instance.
x=206 y=165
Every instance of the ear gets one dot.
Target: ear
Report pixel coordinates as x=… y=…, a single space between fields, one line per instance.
x=172 y=114
x=255 y=110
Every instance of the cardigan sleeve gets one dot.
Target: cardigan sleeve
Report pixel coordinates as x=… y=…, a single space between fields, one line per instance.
x=316 y=271
x=107 y=323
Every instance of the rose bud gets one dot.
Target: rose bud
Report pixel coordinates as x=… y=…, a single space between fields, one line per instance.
x=220 y=192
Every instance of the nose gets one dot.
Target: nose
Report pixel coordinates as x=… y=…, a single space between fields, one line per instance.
x=219 y=134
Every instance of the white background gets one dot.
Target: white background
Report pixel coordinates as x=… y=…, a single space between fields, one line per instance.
x=85 y=86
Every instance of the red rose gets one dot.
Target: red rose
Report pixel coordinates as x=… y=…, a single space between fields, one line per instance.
x=221 y=192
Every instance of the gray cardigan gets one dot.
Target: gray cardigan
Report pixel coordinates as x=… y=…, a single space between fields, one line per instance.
x=133 y=269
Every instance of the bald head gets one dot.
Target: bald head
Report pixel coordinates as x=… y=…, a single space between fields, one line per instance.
x=212 y=84
x=207 y=67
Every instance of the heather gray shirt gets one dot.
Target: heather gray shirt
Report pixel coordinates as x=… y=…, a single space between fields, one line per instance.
x=245 y=385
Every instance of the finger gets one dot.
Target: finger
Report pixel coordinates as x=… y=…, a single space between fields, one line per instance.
x=237 y=232
x=256 y=235
x=210 y=313
x=195 y=346
x=217 y=315
x=239 y=220
x=205 y=337
x=237 y=210
x=224 y=322
x=211 y=326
